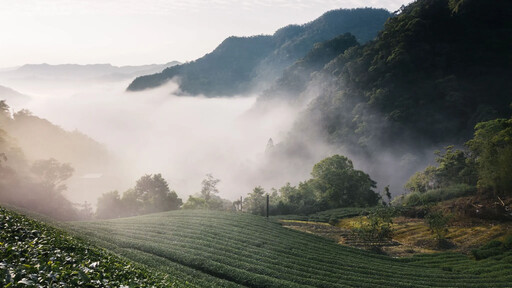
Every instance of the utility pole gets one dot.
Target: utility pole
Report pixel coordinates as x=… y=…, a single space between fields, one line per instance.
x=267 y=203
x=241 y=208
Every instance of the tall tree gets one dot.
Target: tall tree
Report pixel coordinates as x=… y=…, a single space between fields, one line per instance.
x=153 y=191
x=52 y=173
x=492 y=149
x=255 y=201
x=341 y=185
x=209 y=187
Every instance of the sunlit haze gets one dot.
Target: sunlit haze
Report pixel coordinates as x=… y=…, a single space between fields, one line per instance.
x=144 y=32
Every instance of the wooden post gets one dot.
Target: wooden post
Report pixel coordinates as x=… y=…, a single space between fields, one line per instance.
x=241 y=208
x=267 y=204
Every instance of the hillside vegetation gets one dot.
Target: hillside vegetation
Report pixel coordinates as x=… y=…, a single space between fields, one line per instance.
x=251 y=251
x=38 y=159
x=238 y=62
x=436 y=69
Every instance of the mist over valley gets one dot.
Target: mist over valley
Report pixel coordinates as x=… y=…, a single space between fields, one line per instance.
x=260 y=162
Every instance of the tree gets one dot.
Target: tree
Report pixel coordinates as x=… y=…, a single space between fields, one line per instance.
x=455 y=167
x=52 y=173
x=438 y=224
x=109 y=205
x=491 y=146
x=4 y=109
x=376 y=226
x=388 y=194
x=255 y=202
x=131 y=204
x=340 y=185
x=209 y=187
x=422 y=181
x=195 y=203
x=155 y=195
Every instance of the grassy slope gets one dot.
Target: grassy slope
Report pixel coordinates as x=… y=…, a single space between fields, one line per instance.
x=34 y=254
x=250 y=251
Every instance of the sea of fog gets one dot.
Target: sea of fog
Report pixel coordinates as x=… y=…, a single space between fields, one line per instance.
x=155 y=131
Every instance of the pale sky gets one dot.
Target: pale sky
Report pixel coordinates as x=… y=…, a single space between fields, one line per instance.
x=137 y=32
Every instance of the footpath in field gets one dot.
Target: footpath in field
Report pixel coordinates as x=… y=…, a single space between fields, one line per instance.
x=251 y=251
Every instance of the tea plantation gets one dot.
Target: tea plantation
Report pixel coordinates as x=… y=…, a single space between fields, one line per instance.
x=33 y=254
x=222 y=249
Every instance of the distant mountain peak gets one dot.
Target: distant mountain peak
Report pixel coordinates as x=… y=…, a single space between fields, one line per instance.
x=239 y=65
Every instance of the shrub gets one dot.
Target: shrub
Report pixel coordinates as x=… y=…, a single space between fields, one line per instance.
x=441 y=194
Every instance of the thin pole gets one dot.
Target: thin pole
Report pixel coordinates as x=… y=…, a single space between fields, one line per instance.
x=267 y=203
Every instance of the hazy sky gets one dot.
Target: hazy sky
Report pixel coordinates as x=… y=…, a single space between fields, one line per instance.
x=135 y=32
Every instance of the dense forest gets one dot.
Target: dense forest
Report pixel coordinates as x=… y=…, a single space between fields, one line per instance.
x=438 y=68
x=240 y=64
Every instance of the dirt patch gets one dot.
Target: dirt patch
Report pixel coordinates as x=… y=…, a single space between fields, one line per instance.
x=411 y=235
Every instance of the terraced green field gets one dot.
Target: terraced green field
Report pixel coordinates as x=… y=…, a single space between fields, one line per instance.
x=34 y=254
x=220 y=249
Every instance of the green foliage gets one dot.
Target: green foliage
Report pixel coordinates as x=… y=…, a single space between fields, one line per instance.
x=154 y=194
x=494 y=248
x=492 y=149
x=422 y=81
x=438 y=224
x=295 y=200
x=454 y=176
x=454 y=167
x=241 y=249
x=256 y=201
x=195 y=203
x=388 y=194
x=151 y=194
x=335 y=184
x=377 y=226
x=208 y=199
x=488 y=161
x=33 y=254
x=295 y=78
x=437 y=195
x=340 y=185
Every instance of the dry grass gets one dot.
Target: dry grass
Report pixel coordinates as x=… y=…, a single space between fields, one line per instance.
x=413 y=234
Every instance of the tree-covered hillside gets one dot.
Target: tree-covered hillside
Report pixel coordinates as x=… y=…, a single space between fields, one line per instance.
x=438 y=68
x=238 y=62
x=296 y=78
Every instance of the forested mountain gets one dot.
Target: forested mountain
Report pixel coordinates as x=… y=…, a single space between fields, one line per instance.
x=240 y=63
x=297 y=77
x=438 y=68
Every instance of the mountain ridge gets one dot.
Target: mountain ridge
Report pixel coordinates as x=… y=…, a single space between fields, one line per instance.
x=229 y=70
